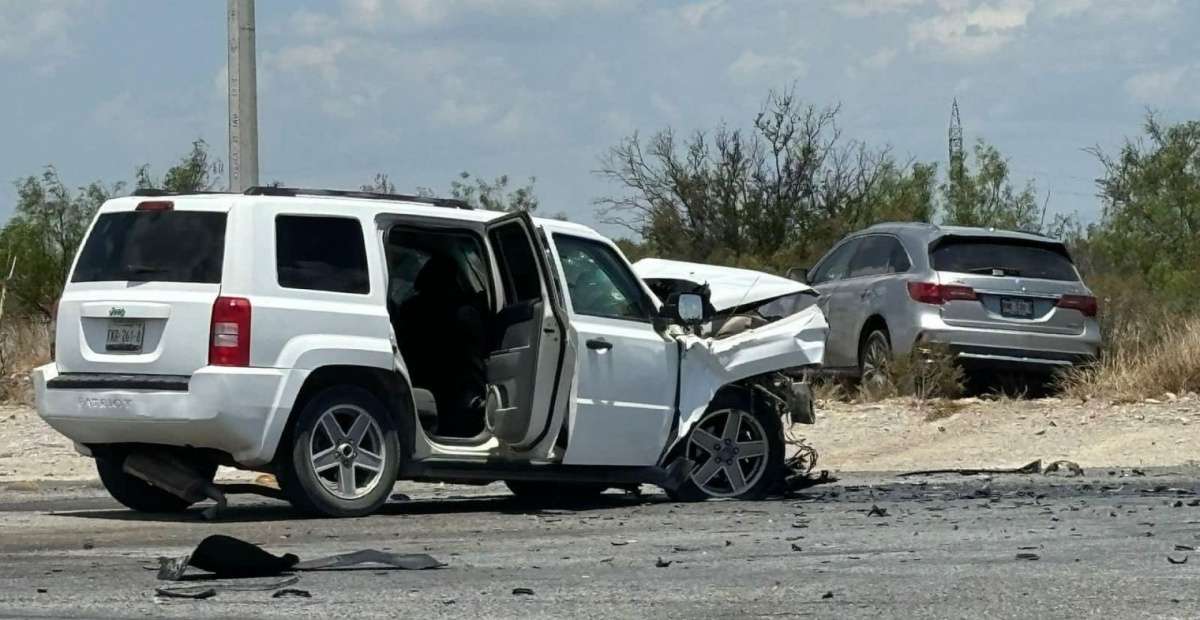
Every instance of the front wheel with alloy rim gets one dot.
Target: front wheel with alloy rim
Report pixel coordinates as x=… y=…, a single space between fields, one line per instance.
x=874 y=358
x=737 y=450
x=344 y=454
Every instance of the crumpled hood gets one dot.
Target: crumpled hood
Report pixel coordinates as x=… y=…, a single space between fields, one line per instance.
x=730 y=286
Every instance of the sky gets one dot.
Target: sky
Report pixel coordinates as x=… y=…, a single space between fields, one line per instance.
x=424 y=89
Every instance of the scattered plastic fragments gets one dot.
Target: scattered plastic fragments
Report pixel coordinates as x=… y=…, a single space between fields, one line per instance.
x=296 y=592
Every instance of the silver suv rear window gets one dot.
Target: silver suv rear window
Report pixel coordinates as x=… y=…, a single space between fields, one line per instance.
x=154 y=246
x=1001 y=257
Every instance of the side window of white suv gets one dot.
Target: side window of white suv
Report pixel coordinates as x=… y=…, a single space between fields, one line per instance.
x=598 y=281
x=321 y=254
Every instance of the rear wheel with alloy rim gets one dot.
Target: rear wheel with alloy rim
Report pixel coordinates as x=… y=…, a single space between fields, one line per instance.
x=737 y=450
x=875 y=357
x=344 y=454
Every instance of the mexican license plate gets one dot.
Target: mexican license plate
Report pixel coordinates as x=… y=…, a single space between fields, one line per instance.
x=125 y=335
x=1016 y=308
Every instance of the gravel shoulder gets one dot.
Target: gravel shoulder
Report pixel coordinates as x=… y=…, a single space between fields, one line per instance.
x=892 y=435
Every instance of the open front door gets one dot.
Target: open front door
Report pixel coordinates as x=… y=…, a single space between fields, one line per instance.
x=527 y=335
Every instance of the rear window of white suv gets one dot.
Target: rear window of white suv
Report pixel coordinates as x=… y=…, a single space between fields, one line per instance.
x=154 y=246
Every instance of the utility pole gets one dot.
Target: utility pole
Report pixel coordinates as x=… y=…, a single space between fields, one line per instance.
x=243 y=97
x=956 y=146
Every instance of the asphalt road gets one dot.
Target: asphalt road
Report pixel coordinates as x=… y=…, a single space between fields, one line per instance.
x=947 y=547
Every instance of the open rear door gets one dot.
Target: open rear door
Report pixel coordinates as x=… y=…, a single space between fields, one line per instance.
x=527 y=335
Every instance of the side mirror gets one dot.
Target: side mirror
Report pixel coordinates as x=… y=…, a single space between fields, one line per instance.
x=689 y=309
x=799 y=274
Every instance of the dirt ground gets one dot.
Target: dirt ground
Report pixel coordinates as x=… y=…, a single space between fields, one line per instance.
x=893 y=435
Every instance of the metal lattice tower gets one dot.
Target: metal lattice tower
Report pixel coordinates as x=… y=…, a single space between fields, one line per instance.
x=956 y=144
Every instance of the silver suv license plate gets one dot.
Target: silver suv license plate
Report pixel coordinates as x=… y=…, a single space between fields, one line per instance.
x=1016 y=308
x=124 y=336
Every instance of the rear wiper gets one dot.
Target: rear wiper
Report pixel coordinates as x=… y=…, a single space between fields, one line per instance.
x=992 y=271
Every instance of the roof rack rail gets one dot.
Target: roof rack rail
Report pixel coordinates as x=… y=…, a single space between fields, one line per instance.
x=154 y=192
x=266 y=190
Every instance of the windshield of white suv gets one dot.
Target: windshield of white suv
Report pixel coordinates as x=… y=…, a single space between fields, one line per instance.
x=154 y=246
x=1001 y=257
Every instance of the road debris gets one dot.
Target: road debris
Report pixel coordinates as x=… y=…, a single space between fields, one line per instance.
x=1032 y=468
x=198 y=595
x=661 y=563
x=228 y=557
x=1069 y=468
x=296 y=592
x=403 y=561
x=876 y=511
x=209 y=590
x=1174 y=561
x=1028 y=556
x=522 y=591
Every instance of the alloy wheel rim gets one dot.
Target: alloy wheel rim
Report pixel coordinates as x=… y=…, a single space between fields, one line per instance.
x=347 y=452
x=875 y=363
x=730 y=449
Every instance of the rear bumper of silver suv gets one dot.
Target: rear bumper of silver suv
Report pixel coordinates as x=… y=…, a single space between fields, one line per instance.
x=996 y=348
x=238 y=411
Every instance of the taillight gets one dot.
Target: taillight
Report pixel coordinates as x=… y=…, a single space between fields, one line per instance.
x=931 y=293
x=1085 y=304
x=229 y=343
x=155 y=205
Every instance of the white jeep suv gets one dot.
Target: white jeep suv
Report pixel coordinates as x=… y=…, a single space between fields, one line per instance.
x=344 y=340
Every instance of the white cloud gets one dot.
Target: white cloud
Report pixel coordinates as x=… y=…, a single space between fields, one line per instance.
x=695 y=14
x=410 y=14
x=880 y=60
x=752 y=66
x=867 y=8
x=967 y=30
x=1165 y=86
x=39 y=30
x=453 y=112
x=664 y=106
x=1111 y=10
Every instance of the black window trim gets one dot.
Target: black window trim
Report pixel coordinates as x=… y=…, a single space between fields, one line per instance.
x=366 y=255
x=644 y=301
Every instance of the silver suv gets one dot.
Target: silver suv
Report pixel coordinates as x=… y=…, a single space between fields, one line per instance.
x=998 y=299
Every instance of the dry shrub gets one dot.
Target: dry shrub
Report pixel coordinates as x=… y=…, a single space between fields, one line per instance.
x=943 y=408
x=928 y=371
x=828 y=388
x=1144 y=357
x=24 y=344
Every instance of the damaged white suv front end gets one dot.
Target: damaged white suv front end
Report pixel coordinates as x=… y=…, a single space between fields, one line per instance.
x=760 y=333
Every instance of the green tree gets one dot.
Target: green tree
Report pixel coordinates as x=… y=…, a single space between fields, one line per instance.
x=987 y=197
x=45 y=230
x=1150 y=228
x=494 y=195
x=773 y=196
x=196 y=171
x=380 y=185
